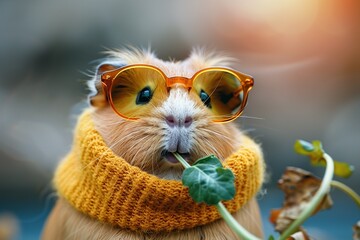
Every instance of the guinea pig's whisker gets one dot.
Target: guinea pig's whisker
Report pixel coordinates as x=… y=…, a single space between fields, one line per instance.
x=137 y=143
x=226 y=139
x=144 y=143
x=215 y=151
x=207 y=146
x=250 y=117
x=222 y=116
x=124 y=138
x=210 y=95
x=241 y=116
x=210 y=131
x=98 y=159
x=249 y=130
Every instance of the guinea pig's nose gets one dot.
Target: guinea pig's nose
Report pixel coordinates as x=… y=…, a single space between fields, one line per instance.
x=173 y=121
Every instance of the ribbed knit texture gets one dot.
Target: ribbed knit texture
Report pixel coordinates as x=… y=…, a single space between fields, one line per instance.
x=97 y=182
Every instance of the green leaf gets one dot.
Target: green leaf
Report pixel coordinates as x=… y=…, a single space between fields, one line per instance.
x=211 y=160
x=271 y=237
x=208 y=181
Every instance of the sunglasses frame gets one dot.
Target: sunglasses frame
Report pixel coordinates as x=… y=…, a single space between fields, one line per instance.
x=245 y=80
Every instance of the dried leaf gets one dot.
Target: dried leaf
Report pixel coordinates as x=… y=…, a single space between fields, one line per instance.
x=274 y=215
x=300 y=235
x=356 y=229
x=299 y=187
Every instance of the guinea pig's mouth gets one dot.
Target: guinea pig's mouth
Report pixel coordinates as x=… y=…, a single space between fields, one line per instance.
x=172 y=159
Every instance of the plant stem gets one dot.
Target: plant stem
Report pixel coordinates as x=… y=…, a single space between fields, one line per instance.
x=315 y=201
x=346 y=190
x=181 y=160
x=233 y=224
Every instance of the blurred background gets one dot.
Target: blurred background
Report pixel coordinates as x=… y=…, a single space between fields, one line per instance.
x=304 y=55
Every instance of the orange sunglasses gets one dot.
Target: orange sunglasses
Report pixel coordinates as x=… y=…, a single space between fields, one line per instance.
x=132 y=89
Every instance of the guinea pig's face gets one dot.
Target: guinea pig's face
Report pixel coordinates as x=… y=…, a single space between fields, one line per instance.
x=172 y=120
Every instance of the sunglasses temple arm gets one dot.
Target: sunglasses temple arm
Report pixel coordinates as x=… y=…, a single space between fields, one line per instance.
x=244 y=89
x=237 y=92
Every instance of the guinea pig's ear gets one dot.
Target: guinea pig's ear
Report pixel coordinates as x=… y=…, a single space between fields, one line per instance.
x=97 y=96
x=104 y=67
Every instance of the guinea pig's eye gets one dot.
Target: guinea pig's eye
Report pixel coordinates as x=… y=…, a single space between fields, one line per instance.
x=205 y=98
x=144 y=96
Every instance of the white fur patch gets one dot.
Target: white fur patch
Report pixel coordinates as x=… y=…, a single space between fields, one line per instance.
x=180 y=106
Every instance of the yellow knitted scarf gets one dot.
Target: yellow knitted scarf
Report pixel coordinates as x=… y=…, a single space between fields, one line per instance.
x=97 y=182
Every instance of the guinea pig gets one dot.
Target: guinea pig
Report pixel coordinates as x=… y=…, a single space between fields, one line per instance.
x=175 y=120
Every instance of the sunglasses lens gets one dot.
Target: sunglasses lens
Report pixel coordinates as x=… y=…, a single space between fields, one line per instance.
x=135 y=90
x=221 y=91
